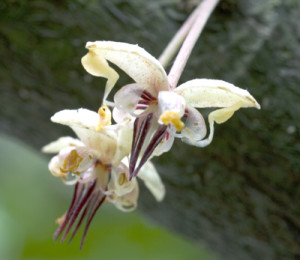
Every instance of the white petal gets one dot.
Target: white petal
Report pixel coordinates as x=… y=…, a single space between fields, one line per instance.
x=84 y=123
x=124 y=140
x=119 y=183
x=128 y=97
x=194 y=128
x=128 y=202
x=124 y=130
x=55 y=164
x=59 y=144
x=152 y=181
x=102 y=174
x=167 y=142
x=141 y=66
x=55 y=169
x=214 y=93
x=89 y=157
x=99 y=67
x=77 y=117
x=171 y=101
x=121 y=117
x=102 y=141
x=219 y=116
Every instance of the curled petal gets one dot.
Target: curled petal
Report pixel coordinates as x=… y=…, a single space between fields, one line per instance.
x=219 y=116
x=119 y=184
x=59 y=144
x=128 y=202
x=194 y=128
x=72 y=159
x=98 y=66
x=215 y=93
x=127 y=98
x=141 y=66
x=54 y=167
x=89 y=157
x=152 y=181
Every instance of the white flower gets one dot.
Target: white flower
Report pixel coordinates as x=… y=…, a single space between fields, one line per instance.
x=94 y=161
x=160 y=111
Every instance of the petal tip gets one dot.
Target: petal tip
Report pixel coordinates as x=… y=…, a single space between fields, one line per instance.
x=90 y=45
x=253 y=101
x=257 y=105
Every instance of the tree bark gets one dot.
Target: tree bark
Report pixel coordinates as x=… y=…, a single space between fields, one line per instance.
x=240 y=195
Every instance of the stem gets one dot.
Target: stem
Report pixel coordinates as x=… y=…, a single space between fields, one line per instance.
x=178 y=38
x=206 y=8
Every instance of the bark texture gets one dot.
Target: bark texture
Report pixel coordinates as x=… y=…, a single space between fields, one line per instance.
x=240 y=196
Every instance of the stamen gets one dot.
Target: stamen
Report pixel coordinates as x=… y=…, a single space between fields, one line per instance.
x=186 y=113
x=141 y=107
x=96 y=205
x=141 y=127
x=167 y=135
x=79 y=207
x=143 y=102
x=80 y=197
x=147 y=96
x=143 y=96
x=87 y=207
x=156 y=139
x=77 y=194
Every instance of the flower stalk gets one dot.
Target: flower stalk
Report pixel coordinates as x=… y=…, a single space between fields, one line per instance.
x=203 y=13
x=175 y=43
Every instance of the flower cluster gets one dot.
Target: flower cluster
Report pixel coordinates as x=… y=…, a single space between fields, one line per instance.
x=106 y=158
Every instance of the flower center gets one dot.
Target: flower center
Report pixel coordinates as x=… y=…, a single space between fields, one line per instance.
x=173 y=118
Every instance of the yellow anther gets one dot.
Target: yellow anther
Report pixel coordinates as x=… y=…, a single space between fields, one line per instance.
x=71 y=162
x=173 y=118
x=122 y=179
x=61 y=219
x=105 y=117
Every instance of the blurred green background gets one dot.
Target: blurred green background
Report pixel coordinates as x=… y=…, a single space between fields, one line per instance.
x=31 y=199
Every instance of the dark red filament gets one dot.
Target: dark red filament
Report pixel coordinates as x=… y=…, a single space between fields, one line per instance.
x=141 y=129
x=145 y=100
x=86 y=200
